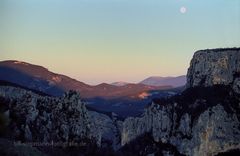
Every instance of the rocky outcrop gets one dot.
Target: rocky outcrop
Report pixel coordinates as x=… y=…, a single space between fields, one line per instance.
x=47 y=119
x=204 y=119
x=107 y=129
x=36 y=118
x=213 y=132
x=156 y=119
x=215 y=66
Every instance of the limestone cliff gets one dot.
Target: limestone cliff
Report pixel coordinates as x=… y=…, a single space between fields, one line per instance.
x=204 y=119
x=37 y=118
x=215 y=66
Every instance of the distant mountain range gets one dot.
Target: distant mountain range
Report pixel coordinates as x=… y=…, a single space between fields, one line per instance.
x=162 y=81
x=120 y=83
x=122 y=98
x=39 y=78
x=156 y=81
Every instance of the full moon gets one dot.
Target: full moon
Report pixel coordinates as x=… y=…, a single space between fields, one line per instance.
x=183 y=10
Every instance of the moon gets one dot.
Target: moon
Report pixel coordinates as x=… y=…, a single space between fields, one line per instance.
x=183 y=10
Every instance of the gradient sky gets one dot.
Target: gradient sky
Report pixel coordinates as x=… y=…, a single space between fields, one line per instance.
x=98 y=41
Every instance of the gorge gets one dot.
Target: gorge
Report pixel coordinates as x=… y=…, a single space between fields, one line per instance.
x=201 y=120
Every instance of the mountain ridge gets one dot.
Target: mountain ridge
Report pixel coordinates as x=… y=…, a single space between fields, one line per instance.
x=159 y=81
x=40 y=78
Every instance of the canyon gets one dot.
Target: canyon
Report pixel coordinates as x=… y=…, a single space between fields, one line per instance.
x=202 y=120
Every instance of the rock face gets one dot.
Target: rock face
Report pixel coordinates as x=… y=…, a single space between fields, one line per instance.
x=37 y=118
x=217 y=66
x=204 y=119
x=212 y=131
x=46 y=119
x=155 y=119
x=107 y=129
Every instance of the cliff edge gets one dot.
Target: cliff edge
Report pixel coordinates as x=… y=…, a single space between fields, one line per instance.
x=215 y=66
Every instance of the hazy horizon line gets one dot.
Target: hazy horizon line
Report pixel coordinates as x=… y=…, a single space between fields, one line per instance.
x=89 y=83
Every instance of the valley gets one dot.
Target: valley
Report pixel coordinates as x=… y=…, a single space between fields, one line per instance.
x=201 y=119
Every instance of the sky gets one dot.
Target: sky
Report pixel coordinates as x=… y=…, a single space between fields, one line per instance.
x=97 y=41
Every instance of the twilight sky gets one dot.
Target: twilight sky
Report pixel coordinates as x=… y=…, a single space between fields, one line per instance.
x=98 y=41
